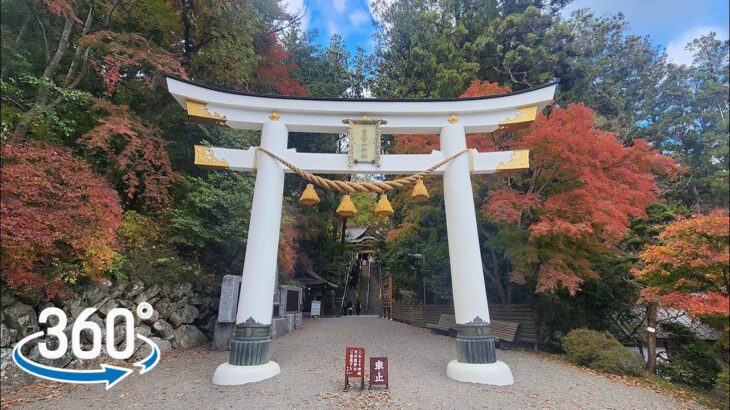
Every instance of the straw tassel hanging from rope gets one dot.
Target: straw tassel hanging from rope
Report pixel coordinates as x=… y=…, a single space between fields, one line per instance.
x=420 y=193
x=309 y=196
x=383 y=208
x=346 y=208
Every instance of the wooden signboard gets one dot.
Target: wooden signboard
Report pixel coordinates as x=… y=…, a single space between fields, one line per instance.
x=354 y=365
x=316 y=308
x=378 y=372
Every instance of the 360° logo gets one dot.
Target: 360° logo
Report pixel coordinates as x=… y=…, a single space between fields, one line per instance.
x=108 y=374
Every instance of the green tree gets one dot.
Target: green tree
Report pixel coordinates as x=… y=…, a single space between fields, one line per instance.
x=613 y=72
x=689 y=121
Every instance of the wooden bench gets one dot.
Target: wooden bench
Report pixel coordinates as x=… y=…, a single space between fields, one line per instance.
x=505 y=331
x=410 y=314
x=517 y=313
x=446 y=325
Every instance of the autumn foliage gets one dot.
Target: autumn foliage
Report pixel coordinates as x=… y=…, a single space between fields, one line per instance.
x=582 y=189
x=116 y=52
x=275 y=72
x=132 y=154
x=59 y=218
x=689 y=268
x=578 y=197
x=587 y=181
x=62 y=8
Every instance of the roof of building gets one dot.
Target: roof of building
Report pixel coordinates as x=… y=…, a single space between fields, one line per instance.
x=359 y=234
x=638 y=324
x=308 y=277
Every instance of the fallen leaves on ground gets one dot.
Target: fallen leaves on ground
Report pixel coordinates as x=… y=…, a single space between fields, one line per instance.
x=31 y=393
x=365 y=400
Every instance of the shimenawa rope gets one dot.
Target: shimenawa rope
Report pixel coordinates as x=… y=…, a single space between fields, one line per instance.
x=353 y=186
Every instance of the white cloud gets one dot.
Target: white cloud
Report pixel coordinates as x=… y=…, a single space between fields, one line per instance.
x=339 y=5
x=374 y=5
x=297 y=8
x=676 y=49
x=332 y=28
x=358 y=17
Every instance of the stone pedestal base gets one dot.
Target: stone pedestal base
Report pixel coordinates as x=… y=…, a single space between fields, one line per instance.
x=250 y=344
x=474 y=343
x=497 y=373
x=248 y=361
x=227 y=374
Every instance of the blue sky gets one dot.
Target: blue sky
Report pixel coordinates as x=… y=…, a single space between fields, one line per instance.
x=670 y=23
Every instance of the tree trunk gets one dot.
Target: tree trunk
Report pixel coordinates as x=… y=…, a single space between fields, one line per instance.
x=651 y=337
x=21 y=34
x=51 y=69
x=42 y=97
x=80 y=51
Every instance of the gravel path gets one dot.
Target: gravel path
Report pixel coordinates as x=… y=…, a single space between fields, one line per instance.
x=311 y=360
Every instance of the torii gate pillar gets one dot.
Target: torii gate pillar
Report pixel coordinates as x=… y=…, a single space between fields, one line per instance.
x=249 y=358
x=477 y=360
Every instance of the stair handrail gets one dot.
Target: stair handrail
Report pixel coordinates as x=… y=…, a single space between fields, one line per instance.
x=347 y=279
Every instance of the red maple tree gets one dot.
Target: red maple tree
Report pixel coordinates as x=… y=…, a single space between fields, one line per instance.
x=689 y=268
x=577 y=198
x=62 y=8
x=582 y=188
x=132 y=154
x=115 y=52
x=273 y=70
x=59 y=218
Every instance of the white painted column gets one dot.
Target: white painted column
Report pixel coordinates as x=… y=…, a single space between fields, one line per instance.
x=259 y=268
x=467 y=279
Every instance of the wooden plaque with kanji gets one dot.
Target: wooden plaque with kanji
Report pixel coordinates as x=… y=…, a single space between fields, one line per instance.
x=354 y=365
x=378 y=371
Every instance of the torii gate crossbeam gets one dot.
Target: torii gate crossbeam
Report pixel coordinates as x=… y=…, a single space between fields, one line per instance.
x=277 y=116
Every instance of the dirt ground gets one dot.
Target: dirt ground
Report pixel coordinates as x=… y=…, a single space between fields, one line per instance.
x=312 y=364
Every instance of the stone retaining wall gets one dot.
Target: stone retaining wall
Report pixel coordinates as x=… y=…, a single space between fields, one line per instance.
x=184 y=317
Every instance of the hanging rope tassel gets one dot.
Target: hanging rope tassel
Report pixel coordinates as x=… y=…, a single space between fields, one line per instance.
x=420 y=192
x=383 y=208
x=309 y=196
x=346 y=208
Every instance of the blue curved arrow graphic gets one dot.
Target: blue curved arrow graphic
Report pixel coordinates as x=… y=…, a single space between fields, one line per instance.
x=150 y=361
x=111 y=375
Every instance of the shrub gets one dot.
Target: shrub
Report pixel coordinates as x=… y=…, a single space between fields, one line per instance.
x=147 y=258
x=691 y=360
x=722 y=386
x=601 y=351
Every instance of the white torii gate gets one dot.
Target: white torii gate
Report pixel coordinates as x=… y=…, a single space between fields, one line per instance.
x=276 y=116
